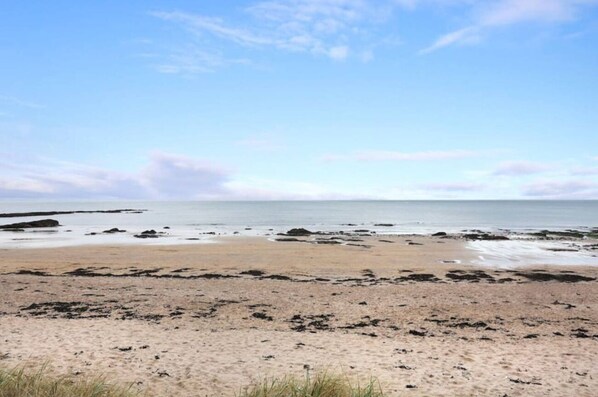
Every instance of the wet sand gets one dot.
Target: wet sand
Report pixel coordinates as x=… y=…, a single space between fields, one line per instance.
x=208 y=319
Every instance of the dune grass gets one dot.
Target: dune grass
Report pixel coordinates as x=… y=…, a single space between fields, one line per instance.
x=21 y=383
x=321 y=384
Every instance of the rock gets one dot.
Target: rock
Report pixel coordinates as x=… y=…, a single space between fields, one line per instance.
x=32 y=224
x=439 y=234
x=147 y=234
x=483 y=236
x=114 y=230
x=384 y=224
x=299 y=232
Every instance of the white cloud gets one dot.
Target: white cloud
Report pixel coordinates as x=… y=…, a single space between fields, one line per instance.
x=562 y=189
x=165 y=176
x=516 y=168
x=384 y=155
x=581 y=171
x=176 y=176
x=339 y=53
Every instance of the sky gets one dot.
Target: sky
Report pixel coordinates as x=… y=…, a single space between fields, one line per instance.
x=299 y=99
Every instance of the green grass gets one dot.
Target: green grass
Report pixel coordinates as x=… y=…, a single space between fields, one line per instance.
x=20 y=383
x=322 y=384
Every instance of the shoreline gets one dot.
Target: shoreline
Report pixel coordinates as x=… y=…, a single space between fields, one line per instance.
x=491 y=251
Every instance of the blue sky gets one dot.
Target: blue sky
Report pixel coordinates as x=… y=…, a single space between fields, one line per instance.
x=299 y=99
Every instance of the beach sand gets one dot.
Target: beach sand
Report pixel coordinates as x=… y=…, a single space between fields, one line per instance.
x=208 y=319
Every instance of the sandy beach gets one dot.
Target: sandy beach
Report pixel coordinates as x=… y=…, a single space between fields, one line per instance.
x=208 y=319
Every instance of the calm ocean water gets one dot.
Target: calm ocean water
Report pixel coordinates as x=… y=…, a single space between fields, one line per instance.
x=193 y=219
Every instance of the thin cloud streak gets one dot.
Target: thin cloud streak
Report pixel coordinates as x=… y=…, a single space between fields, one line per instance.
x=14 y=101
x=454 y=187
x=487 y=16
x=383 y=155
x=469 y=35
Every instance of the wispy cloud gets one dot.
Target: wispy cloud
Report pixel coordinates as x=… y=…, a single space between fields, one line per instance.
x=384 y=155
x=489 y=15
x=193 y=60
x=14 y=101
x=200 y=24
x=454 y=187
x=517 y=168
x=328 y=28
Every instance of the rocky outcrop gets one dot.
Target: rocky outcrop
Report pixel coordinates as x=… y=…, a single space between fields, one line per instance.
x=483 y=236
x=299 y=232
x=147 y=234
x=114 y=230
x=50 y=213
x=32 y=224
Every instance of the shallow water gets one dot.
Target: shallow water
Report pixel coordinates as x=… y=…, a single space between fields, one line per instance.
x=193 y=220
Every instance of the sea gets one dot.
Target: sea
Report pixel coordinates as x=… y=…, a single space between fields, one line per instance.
x=197 y=222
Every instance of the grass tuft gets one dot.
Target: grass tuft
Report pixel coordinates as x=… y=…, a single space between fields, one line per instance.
x=322 y=384
x=20 y=383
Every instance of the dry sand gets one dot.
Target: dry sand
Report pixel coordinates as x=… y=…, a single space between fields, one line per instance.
x=208 y=319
